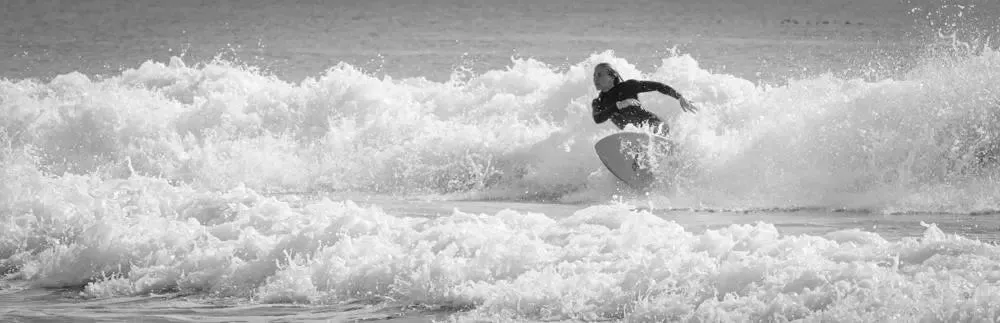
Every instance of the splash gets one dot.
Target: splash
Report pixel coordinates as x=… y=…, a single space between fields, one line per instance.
x=833 y=141
x=925 y=142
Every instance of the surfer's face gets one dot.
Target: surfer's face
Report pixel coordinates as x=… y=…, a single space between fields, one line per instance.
x=603 y=80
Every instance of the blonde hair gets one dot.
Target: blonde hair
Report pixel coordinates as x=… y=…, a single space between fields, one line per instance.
x=612 y=71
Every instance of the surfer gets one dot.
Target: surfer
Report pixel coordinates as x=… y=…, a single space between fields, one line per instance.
x=619 y=100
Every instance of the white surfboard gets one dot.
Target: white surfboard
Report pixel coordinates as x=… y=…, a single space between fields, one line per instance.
x=625 y=154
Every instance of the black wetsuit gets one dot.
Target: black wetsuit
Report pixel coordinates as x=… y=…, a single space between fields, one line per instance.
x=605 y=108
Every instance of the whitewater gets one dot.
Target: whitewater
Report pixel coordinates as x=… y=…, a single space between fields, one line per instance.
x=219 y=189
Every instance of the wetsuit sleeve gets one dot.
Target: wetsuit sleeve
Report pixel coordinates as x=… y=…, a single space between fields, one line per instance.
x=602 y=113
x=646 y=86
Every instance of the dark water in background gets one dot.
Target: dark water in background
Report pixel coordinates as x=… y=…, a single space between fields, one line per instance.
x=771 y=40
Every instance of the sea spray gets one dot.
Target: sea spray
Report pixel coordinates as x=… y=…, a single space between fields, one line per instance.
x=525 y=132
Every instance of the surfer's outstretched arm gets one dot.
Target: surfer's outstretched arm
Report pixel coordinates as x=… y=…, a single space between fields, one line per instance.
x=646 y=86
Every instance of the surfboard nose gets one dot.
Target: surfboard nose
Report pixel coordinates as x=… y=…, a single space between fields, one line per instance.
x=626 y=155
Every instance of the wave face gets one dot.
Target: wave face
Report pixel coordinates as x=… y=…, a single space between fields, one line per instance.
x=923 y=142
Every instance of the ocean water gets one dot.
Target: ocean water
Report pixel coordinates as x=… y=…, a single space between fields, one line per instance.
x=324 y=161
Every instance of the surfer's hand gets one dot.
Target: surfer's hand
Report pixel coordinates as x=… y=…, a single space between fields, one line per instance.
x=628 y=103
x=687 y=106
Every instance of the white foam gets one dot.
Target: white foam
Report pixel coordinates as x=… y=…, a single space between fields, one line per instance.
x=131 y=237
x=921 y=143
